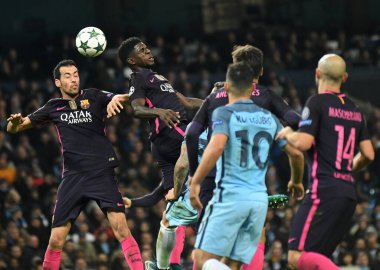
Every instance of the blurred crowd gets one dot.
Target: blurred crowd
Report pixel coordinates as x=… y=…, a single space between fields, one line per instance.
x=30 y=162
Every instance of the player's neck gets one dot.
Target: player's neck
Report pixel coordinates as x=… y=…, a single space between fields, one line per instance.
x=233 y=98
x=324 y=87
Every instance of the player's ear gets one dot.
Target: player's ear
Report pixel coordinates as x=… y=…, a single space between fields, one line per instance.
x=131 y=61
x=345 y=77
x=317 y=73
x=226 y=87
x=261 y=72
x=57 y=83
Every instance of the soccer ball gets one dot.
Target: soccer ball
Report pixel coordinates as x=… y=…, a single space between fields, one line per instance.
x=91 y=41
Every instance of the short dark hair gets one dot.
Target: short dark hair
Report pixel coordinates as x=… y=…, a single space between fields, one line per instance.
x=250 y=54
x=63 y=63
x=126 y=48
x=239 y=76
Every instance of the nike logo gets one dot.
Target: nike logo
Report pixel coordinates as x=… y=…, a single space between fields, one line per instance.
x=152 y=80
x=60 y=108
x=119 y=204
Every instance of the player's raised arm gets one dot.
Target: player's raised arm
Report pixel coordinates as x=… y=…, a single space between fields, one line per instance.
x=17 y=123
x=116 y=104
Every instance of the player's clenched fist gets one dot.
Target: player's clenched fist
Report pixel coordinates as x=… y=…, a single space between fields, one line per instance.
x=16 y=119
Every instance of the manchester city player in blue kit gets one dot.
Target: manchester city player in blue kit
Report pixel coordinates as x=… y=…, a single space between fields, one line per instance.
x=242 y=136
x=88 y=161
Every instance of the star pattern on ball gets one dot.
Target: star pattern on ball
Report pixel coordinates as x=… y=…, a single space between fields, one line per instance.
x=99 y=48
x=93 y=33
x=83 y=45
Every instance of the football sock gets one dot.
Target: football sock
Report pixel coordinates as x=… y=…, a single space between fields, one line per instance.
x=52 y=259
x=175 y=256
x=164 y=246
x=315 y=261
x=213 y=264
x=257 y=261
x=132 y=253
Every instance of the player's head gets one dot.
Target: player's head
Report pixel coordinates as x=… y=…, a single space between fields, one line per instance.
x=250 y=54
x=133 y=52
x=66 y=78
x=239 y=79
x=331 y=69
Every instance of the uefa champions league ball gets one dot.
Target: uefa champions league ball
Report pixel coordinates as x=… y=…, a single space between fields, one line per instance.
x=91 y=41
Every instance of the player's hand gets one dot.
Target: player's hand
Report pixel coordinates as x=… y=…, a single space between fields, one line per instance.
x=194 y=196
x=16 y=119
x=169 y=117
x=284 y=132
x=217 y=86
x=115 y=105
x=170 y=195
x=127 y=202
x=296 y=190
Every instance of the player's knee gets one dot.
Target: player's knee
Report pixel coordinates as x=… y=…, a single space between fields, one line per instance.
x=293 y=257
x=56 y=241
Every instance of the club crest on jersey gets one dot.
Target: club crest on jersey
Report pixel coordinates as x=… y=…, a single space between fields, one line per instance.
x=84 y=104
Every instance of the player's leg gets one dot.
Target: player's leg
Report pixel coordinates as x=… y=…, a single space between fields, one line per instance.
x=53 y=252
x=165 y=242
x=257 y=261
x=103 y=189
x=67 y=208
x=208 y=261
x=128 y=243
x=166 y=151
x=312 y=228
x=309 y=261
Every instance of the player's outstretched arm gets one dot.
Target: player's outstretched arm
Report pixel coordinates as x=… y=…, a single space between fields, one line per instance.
x=147 y=200
x=365 y=156
x=296 y=162
x=181 y=170
x=211 y=154
x=116 y=104
x=190 y=104
x=299 y=140
x=169 y=117
x=17 y=123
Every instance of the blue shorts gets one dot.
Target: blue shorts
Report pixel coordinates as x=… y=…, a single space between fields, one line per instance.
x=75 y=191
x=232 y=229
x=180 y=212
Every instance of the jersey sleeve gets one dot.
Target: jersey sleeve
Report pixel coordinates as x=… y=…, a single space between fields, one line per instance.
x=310 y=116
x=41 y=116
x=201 y=116
x=138 y=86
x=282 y=110
x=220 y=121
x=104 y=96
x=281 y=143
x=364 y=134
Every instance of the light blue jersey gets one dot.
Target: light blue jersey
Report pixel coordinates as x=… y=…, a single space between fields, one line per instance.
x=180 y=212
x=235 y=216
x=242 y=167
